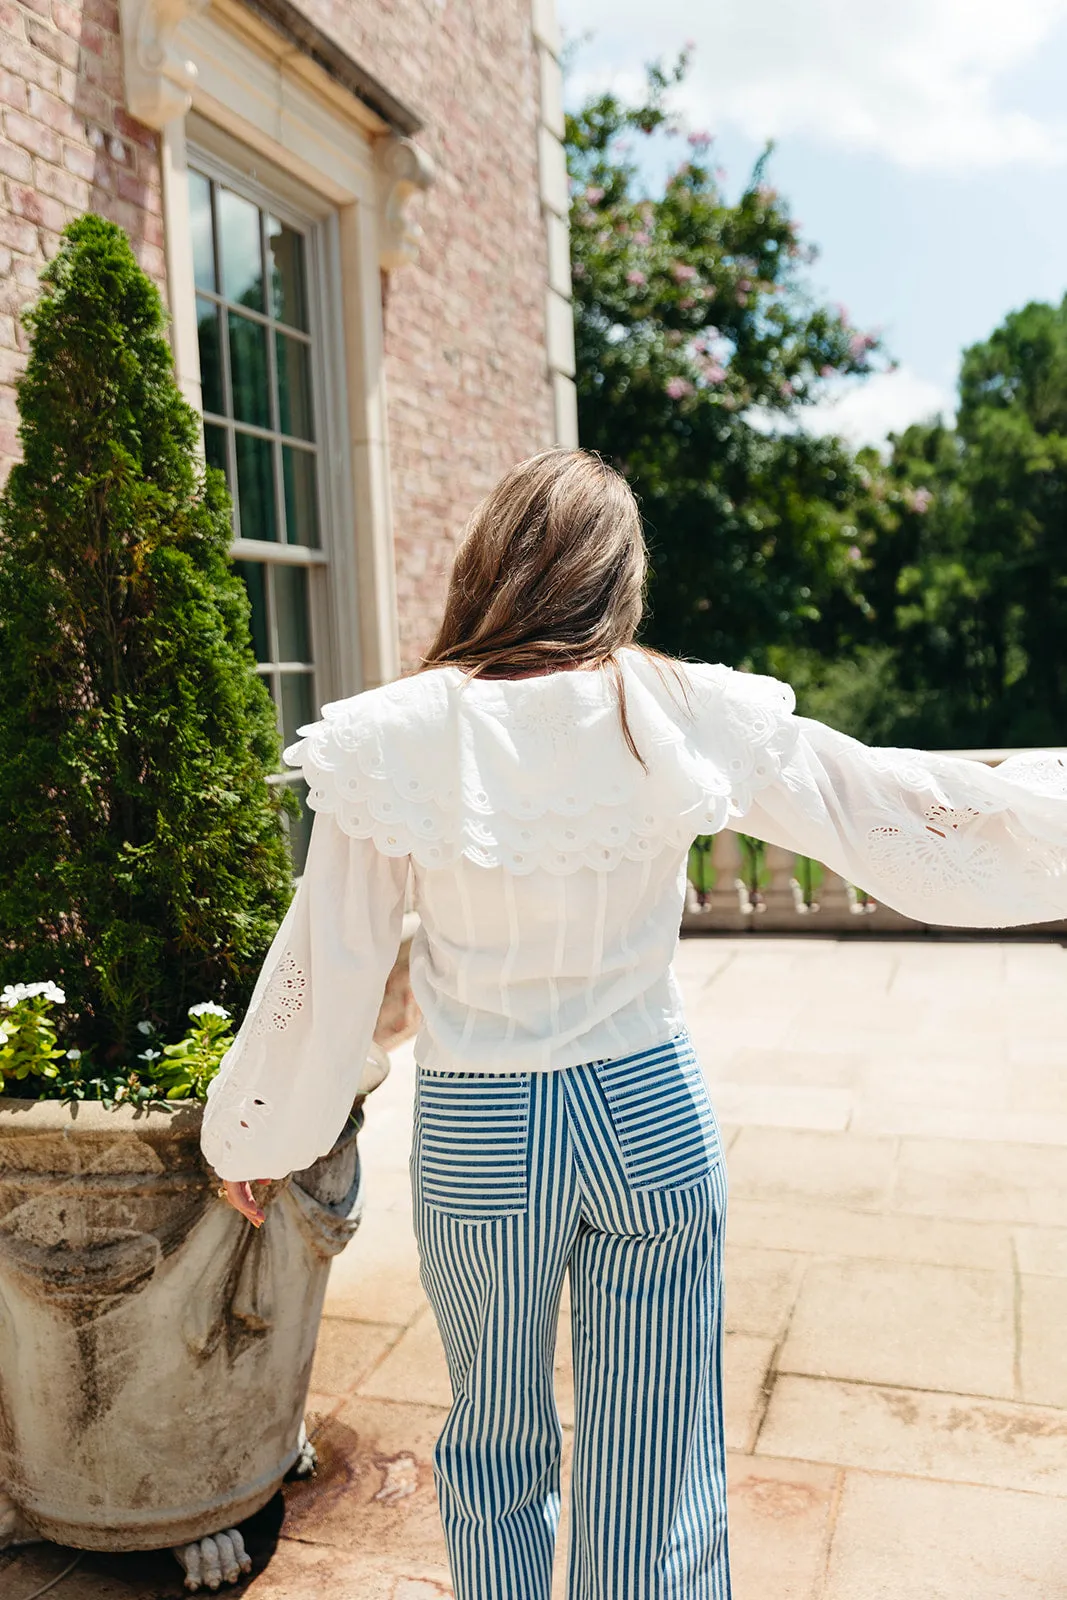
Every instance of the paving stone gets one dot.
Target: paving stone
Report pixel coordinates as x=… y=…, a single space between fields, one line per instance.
x=347 y=1352
x=948 y=1436
x=783 y=1105
x=780 y=1518
x=796 y=1165
x=299 y=1571
x=761 y=1289
x=986 y=1183
x=746 y=1362
x=376 y=1278
x=1042 y=1358
x=916 y=1326
x=373 y=1491
x=1042 y=1251
x=812 y=1069
x=946 y=1076
x=415 y=1369
x=897 y=1538
x=835 y=1231
x=154 y=1575
x=908 y=1120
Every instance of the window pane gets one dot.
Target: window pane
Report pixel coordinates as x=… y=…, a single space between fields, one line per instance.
x=288 y=283
x=294 y=387
x=301 y=502
x=203 y=233
x=207 y=328
x=215 y=453
x=300 y=828
x=254 y=575
x=298 y=703
x=248 y=370
x=255 y=487
x=239 y=247
x=291 y=611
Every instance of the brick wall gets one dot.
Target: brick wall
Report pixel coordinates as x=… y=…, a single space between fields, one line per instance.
x=66 y=146
x=468 y=386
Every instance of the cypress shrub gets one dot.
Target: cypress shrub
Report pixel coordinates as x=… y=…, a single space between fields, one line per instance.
x=143 y=859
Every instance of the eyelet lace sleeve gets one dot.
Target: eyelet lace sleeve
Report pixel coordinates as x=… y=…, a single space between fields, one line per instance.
x=940 y=838
x=287 y=1083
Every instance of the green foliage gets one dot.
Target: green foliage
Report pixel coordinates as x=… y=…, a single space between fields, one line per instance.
x=701 y=871
x=965 y=560
x=28 y=1042
x=143 y=861
x=755 y=873
x=695 y=337
x=186 y=1068
x=808 y=875
x=31 y=1056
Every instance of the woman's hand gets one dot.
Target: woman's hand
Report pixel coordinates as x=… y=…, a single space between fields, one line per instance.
x=242 y=1199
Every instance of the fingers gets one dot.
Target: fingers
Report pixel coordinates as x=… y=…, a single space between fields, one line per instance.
x=240 y=1554
x=243 y=1200
x=220 y=1558
x=209 y=1557
x=189 y=1556
x=228 y=1567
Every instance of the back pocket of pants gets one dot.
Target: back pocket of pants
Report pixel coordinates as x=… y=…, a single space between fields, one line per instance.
x=663 y=1116
x=470 y=1155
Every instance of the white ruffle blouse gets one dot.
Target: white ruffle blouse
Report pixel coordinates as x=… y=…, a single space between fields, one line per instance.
x=549 y=871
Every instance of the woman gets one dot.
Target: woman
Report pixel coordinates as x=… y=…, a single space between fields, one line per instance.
x=542 y=777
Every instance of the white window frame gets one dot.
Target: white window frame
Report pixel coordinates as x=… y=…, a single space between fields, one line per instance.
x=216 y=157
x=277 y=120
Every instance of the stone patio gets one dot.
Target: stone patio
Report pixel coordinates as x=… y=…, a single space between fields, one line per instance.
x=896 y=1118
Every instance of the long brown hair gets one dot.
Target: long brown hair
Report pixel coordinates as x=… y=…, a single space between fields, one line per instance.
x=550 y=574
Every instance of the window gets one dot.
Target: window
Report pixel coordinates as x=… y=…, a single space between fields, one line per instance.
x=261 y=365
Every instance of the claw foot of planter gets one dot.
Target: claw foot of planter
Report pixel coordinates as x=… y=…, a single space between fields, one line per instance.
x=307 y=1457
x=211 y=1562
x=14 y=1529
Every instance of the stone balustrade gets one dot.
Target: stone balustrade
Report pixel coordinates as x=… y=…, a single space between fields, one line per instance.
x=735 y=888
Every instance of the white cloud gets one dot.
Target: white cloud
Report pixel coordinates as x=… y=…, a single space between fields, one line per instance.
x=921 y=82
x=864 y=411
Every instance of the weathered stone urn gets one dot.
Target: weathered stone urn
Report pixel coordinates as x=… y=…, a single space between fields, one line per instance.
x=155 y=1349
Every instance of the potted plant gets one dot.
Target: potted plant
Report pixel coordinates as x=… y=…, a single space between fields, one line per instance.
x=154 y=1350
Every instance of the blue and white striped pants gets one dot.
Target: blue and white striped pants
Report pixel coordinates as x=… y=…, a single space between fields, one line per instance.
x=611 y=1172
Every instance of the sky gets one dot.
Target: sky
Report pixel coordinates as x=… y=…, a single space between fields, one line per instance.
x=922 y=145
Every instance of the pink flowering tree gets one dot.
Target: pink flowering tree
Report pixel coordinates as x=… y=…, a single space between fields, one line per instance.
x=699 y=343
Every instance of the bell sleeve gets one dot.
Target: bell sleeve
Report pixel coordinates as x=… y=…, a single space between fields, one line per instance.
x=287 y=1083
x=940 y=838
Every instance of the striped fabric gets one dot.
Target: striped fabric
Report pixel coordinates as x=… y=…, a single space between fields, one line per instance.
x=610 y=1172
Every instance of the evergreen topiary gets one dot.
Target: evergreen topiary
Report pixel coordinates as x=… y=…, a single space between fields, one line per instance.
x=143 y=859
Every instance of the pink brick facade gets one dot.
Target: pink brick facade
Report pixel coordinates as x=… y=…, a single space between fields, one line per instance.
x=469 y=390
x=66 y=146
x=465 y=328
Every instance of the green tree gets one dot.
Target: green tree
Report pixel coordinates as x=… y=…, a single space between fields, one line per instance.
x=965 y=559
x=143 y=862
x=697 y=347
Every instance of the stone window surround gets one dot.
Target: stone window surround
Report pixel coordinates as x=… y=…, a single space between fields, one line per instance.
x=555 y=208
x=239 y=83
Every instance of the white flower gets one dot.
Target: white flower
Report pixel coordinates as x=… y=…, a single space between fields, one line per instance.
x=208 y=1008
x=6 y=1031
x=74 y=1055
x=146 y=1027
x=17 y=992
x=149 y=1055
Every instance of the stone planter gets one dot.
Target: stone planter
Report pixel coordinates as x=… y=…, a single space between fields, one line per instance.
x=155 y=1349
